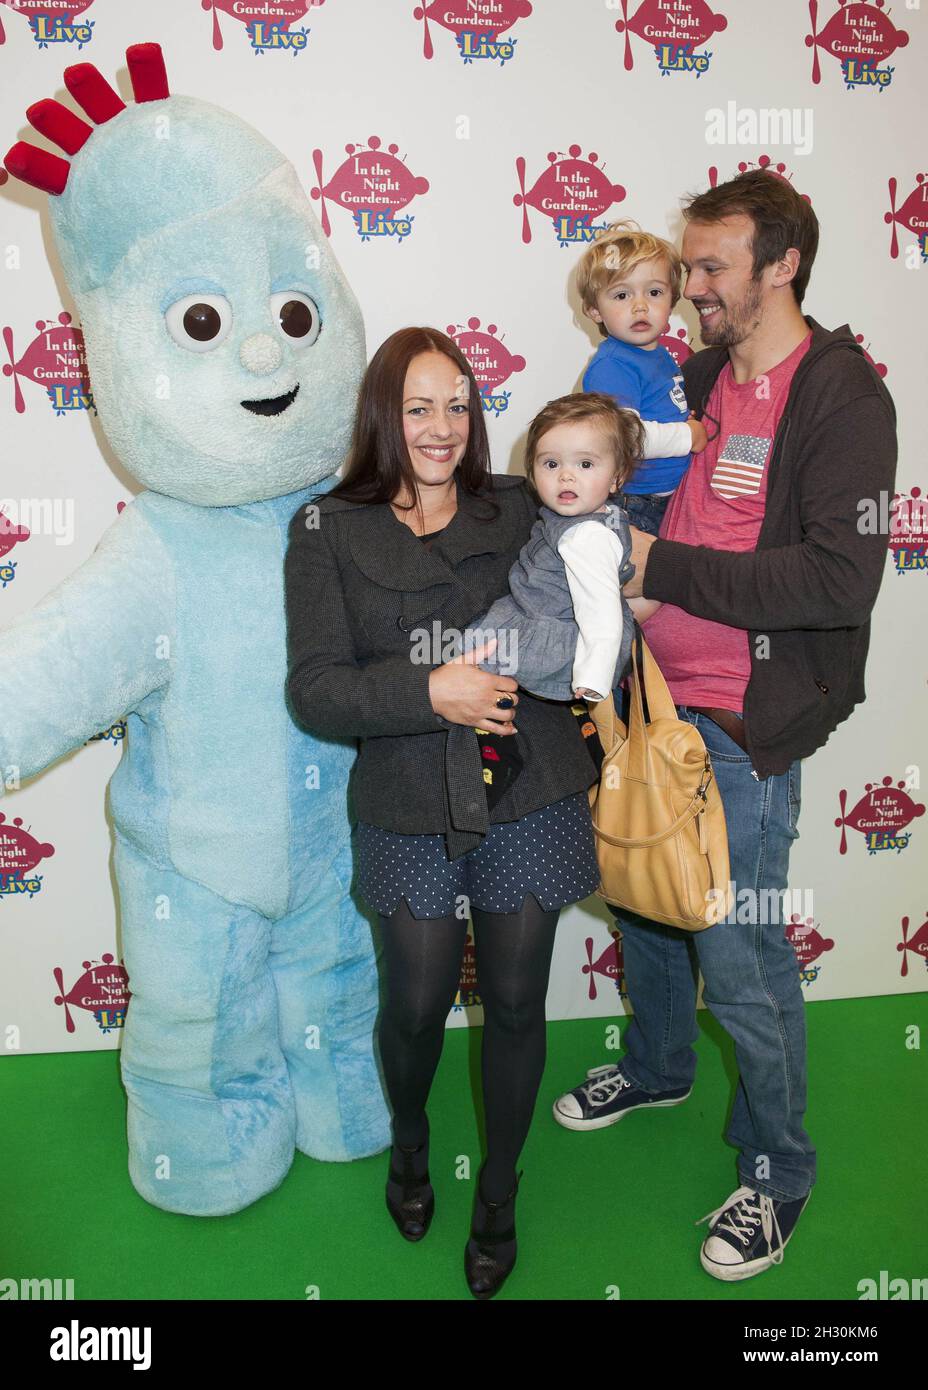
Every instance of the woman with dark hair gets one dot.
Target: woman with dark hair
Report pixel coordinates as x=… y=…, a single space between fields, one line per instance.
x=382 y=572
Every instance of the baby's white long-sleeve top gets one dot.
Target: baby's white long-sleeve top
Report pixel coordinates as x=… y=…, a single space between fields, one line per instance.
x=593 y=555
x=665 y=439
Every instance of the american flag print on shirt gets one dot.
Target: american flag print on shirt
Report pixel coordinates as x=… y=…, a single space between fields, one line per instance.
x=740 y=466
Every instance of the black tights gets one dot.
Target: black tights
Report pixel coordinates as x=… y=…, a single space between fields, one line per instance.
x=423 y=967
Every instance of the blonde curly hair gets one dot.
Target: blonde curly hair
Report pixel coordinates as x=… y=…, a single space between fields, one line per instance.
x=615 y=252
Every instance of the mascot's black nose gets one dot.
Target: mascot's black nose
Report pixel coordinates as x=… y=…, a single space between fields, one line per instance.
x=273 y=405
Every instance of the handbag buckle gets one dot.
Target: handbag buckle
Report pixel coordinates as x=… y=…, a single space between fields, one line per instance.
x=706 y=779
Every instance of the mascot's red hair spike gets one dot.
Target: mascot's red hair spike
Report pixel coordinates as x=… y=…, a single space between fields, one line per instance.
x=98 y=99
x=40 y=168
x=147 y=72
x=93 y=93
x=58 y=124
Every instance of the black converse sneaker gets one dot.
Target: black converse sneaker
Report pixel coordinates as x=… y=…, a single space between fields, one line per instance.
x=748 y=1234
x=606 y=1096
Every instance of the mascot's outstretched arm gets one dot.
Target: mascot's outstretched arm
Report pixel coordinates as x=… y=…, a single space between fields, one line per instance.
x=224 y=349
x=90 y=652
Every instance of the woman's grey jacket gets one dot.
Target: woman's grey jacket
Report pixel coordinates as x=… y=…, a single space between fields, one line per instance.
x=359 y=584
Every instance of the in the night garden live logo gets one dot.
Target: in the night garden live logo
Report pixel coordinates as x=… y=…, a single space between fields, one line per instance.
x=375 y=186
x=481 y=28
x=491 y=360
x=675 y=30
x=572 y=191
x=55 y=359
x=272 y=26
x=53 y=22
x=860 y=37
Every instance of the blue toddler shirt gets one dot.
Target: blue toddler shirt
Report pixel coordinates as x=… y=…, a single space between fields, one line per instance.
x=647 y=380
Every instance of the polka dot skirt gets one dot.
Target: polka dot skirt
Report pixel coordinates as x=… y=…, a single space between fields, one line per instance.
x=550 y=853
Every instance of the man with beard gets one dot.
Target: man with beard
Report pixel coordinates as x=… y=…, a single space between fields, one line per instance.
x=767 y=585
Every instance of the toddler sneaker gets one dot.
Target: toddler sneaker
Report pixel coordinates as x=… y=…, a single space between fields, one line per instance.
x=606 y=1096
x=748 y=1234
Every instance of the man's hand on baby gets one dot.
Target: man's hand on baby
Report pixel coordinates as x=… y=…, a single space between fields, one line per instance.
x=698 y=433
x=641 y=544
x=643 y=608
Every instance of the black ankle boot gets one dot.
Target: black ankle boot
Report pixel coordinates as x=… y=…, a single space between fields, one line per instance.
x=490 y=1254
x=410 y=1199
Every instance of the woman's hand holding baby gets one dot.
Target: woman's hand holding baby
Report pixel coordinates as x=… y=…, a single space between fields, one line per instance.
x=463 y=694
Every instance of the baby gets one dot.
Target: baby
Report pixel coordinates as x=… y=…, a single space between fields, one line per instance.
x=564 y=630
x=628 y=282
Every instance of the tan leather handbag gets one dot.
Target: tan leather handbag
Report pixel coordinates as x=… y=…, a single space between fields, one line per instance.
x=661 y=837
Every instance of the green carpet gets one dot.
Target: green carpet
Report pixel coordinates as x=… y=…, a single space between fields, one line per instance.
x=597 y=1212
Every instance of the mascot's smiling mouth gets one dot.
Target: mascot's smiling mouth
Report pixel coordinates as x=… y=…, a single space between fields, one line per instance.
x=274 y=405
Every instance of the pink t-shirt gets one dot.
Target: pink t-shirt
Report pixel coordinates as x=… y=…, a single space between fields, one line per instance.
x=720 y=503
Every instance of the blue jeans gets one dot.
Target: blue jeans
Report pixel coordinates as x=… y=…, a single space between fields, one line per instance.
x=645 y=509
x=751 y=980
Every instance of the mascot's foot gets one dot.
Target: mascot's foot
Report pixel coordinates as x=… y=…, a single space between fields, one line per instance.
x=375 y=1145
x=341 y=1114
x=195 y=1204
x=204 y=1156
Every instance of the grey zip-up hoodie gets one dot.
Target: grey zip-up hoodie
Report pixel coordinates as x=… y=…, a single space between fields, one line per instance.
x=812 y=581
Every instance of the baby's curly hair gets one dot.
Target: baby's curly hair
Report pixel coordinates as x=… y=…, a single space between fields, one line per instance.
x=622 y=428
x=621 y=247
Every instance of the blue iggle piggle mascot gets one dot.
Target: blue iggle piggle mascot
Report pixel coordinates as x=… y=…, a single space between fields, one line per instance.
x=224 y=349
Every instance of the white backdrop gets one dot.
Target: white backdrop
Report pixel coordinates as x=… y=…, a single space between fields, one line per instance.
x=593 y=110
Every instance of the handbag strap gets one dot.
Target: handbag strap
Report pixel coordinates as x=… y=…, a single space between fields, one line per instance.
x=660 y=701
x=646 y=684
x=647 y=691
x=695 y=808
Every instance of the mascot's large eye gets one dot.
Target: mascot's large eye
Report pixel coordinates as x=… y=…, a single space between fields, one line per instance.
x=296 y=316
x=199 y=322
